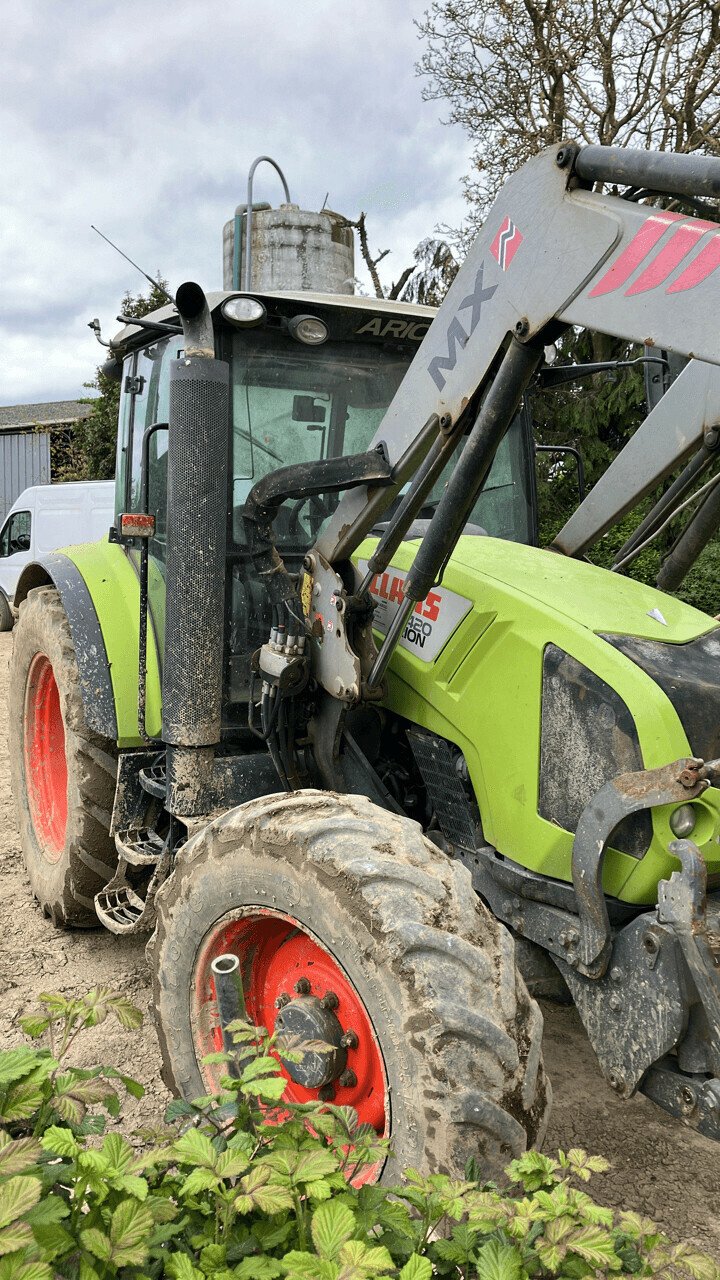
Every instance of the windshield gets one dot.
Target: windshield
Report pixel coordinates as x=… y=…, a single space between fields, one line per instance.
x=300 y=405
x=292 y=404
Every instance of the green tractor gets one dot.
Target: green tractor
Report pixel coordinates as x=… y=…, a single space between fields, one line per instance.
x=322 y=715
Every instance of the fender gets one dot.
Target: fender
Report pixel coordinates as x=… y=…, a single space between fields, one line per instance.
x=99 y=590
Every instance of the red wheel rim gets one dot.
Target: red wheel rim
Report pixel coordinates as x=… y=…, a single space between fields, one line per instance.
x=274 y=953
x=45 y=761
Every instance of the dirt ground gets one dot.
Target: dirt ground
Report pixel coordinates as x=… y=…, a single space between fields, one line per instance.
x=659 y=1168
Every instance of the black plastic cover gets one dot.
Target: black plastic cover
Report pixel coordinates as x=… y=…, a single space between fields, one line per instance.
x=689 y=676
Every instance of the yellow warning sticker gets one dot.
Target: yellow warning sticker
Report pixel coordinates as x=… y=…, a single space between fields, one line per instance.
x=306 y=594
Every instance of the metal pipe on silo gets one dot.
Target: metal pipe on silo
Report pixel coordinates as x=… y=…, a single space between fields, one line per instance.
x=248 y=229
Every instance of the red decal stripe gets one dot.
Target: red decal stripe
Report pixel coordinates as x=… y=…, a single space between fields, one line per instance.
x=681 y=242
x=635 y=253
x=700 y=268
x=495 y=246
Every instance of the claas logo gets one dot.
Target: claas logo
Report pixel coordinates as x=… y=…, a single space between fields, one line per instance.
x=385 y=586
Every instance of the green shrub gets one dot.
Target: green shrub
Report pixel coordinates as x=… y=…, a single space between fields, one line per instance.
x=246 y=1187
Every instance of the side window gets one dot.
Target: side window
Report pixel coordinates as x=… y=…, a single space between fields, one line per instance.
x=151 y=405
x=123 y=449
x=15 y=535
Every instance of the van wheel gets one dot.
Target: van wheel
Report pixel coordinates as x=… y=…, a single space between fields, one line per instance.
x=63 y=774
x=6 y=614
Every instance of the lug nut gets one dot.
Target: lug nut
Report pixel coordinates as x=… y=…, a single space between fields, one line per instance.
x=302 y=986
x=282 y=1000
x=349 y=1040
x=688 y=1100
x=348 y=1079
x=329 y=1000
x=326 y=1093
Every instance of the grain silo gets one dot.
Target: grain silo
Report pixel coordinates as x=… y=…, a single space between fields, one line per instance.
x=291 y=248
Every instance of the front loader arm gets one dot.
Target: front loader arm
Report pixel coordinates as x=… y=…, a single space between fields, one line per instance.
x=553 y=251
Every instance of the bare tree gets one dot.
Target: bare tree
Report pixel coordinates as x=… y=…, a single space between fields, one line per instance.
x=426 y=281
x=521 y=75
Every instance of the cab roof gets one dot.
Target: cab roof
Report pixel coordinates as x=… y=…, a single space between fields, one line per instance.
x=348 y=301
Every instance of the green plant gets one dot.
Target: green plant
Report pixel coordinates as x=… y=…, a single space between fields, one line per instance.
x=254 y=1188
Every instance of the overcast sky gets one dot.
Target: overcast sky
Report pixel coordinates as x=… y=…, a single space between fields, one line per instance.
x=143 y=118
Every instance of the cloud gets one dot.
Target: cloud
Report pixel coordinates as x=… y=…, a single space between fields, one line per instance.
x=144 y=118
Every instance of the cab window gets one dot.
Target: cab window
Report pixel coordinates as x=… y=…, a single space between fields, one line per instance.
x=15 y=535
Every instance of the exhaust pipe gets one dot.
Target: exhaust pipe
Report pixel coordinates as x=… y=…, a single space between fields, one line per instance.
x=198 y=442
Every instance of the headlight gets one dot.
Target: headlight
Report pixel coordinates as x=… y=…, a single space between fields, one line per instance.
x=308 y=329
x=587 y=737
x=246 y=312
x=682 y=821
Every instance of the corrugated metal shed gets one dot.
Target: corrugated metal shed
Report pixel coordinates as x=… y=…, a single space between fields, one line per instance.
x=24 y=460
x=25 y=444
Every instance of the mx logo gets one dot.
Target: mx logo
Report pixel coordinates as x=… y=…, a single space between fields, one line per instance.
x=458 y=335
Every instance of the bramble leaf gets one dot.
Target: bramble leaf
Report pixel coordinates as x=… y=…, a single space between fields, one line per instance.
x=130 y=1227
x=18 y=1154
x=595 y=1245
x=180 y=1267
x=60 y=1142
x=416 y=1268
x=581 y=1164
x=497 y=1261
x=17 y=1236
x=21 y=1101
x=197 y=1181
x=256 y=1191
x=17 y=1196
x=332 y=1224
x=96 y=1243
x=54 y=1240
x=267 y=1088
x=34 y=1025
x=17 y=1063
x=195 y=1148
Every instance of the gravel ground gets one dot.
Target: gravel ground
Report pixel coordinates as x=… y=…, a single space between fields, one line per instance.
x=659 y=1168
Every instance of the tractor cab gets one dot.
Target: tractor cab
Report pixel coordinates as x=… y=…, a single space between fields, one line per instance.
x=311 y=377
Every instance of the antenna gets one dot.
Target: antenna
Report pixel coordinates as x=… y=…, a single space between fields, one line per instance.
x=149 y=279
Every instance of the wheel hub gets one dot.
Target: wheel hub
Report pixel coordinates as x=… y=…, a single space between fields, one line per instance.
x=45 y=761
x=307 y=1019
x=294 y=986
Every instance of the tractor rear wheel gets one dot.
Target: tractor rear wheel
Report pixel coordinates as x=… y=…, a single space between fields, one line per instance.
x=63 y=774
x=318 y=893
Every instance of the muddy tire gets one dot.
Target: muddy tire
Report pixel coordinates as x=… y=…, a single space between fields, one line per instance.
x=337 y=892
x=6 y=614
x=63 y=774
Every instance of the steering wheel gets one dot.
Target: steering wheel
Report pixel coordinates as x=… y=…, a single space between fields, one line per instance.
x=319 y=509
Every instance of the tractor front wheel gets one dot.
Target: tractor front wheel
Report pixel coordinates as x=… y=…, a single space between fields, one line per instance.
x=63 y=774
x=343 y=914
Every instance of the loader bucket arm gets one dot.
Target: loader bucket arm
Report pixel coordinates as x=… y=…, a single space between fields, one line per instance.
x=554 y=253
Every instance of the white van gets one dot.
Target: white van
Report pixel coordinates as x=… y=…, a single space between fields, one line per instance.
x=45 y=517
